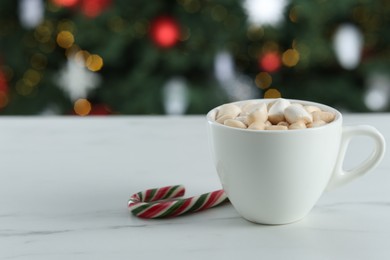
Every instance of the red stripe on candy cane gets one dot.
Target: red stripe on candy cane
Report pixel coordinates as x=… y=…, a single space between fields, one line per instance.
x=211 y=200
x=161 y=193
x=179 y=192
x=148 y=206
x=185 y=206
x=147 y=195
x=155 y=210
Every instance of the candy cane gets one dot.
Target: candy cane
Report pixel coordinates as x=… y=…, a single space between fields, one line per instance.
x=163 y=202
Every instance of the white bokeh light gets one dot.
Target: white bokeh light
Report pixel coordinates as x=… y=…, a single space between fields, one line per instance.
x=262 y=12
x=175 y=96
x=348 y=43
x=31 y=13
x=223 y=66
x=378 y=93
x=76 y=79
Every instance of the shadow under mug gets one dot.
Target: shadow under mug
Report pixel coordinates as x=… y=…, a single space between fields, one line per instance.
x=276 y=177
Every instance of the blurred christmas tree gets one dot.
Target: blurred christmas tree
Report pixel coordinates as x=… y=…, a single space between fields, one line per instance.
x=186 y=56
x=334 y=52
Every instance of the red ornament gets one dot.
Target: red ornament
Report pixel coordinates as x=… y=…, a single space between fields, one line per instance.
x=3 y=83
x=165 y=32
x=100 y=110
x=3 y=90
x=95 y=110
x=90 y=8
x=270 y=62
x=66 y=3
x=93 y=8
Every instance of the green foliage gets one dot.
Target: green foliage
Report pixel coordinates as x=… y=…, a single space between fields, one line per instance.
x=135 y=68
x=318 y=76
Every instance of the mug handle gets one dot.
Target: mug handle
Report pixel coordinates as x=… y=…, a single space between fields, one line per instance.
x=340 y=176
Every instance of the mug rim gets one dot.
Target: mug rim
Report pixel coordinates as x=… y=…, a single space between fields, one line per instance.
x=323 y=107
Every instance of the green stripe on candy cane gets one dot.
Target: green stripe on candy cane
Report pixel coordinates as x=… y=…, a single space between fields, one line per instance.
x=141 y=207
x=162 y=208
x=173 y=189
x=170 y=211
x=199 y=202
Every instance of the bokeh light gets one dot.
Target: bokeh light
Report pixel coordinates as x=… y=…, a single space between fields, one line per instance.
x=32 y=77
x=290 y=57
x=94 y=62
x=94 y=8
x=266 y=47
x=82 y=107
x=265 y=11
x=348 y=44
x=38 y=61
x=65 y=39
x=165 y=32
x=263 y=80
x=81 y=57
x=270 y=62
x=377 y=96
x=272 y=93
x=66 y=3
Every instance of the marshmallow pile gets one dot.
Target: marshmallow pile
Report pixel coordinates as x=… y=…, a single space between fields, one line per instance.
x=278 y=115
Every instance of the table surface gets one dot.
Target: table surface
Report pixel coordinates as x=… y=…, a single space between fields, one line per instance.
x=65 y=182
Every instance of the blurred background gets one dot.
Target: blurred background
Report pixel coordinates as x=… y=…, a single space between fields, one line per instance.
x=110 y=57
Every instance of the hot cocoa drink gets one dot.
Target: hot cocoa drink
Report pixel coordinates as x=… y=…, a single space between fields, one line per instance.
x=278 y=115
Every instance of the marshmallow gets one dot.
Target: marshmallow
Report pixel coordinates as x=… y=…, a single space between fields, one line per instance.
x=223 y=118
x=276 y=127
x=284 y=123
x=248 y=107
x=259 y=114
x=257 y=126
x=316 y=123
x=230 y=110
x=296 y=113
x=311 y=109
x=323 y=115
x=297 y=125
x=235 y=123
x=297 y=104
x=276 y=112
x=277 y=115
x=243 y=119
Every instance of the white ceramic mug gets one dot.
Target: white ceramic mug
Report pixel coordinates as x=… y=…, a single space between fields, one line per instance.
x=276 y=177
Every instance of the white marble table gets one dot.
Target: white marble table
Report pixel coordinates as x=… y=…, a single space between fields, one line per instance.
x=65 y=182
